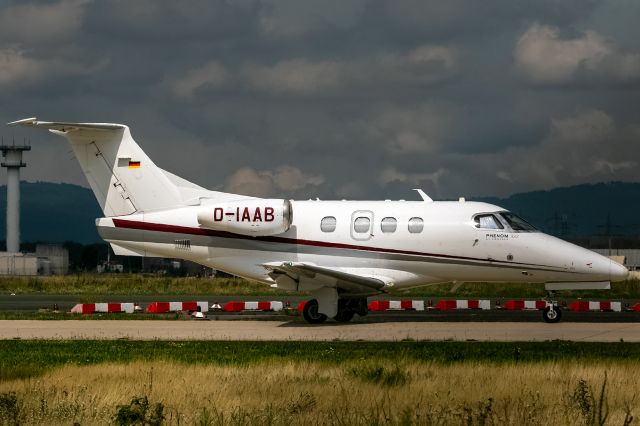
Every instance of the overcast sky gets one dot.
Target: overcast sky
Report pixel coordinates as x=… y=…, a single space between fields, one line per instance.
x=335 y=98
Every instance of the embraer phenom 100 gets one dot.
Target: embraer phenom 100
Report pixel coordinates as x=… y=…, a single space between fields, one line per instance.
x=340 y=252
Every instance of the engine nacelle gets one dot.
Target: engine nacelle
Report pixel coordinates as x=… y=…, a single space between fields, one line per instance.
x=257 y=217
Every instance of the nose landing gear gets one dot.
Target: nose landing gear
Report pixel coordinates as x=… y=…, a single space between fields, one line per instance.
x=552 y=313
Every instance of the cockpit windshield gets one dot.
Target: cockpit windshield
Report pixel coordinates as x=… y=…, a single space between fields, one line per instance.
x=488 y=221
x=517 y=223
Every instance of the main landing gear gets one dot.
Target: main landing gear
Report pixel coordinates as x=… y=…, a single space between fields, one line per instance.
x=347 y=308
x=311 y=314
x=552 y=313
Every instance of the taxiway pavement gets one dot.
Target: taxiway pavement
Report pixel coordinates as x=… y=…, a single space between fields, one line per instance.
x=295 y=331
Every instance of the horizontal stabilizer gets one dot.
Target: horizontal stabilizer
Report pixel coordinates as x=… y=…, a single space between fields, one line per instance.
x=65 y=127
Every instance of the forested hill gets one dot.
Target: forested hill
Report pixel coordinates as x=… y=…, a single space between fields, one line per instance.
x=580 y=211
x=56 y=212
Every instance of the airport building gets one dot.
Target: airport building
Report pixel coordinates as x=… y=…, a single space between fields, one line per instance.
x=53 y=259
x=48 y=259
x=629 y=257
x=18 y=264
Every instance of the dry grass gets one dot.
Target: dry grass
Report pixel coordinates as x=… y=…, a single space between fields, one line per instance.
x=271 y=392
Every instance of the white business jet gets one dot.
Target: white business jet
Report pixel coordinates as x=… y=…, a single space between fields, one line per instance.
x=338 y=251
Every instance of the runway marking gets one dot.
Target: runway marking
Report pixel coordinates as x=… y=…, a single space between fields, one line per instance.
x=289 y=331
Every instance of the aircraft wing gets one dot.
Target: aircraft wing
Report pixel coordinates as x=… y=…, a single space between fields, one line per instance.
x=347 y=281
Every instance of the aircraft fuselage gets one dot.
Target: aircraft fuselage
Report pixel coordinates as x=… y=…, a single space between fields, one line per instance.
x=449 y=245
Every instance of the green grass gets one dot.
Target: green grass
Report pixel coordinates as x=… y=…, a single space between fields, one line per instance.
x=28 y=358
x=622 y=290
x=90 y=286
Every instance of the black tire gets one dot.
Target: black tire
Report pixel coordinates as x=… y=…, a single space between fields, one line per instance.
x=344 y=316
x=551 y=316
x=311 y=314
x=359 y=306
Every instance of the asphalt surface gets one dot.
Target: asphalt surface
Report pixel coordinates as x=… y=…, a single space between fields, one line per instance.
x=34 y=302
x=290 y=331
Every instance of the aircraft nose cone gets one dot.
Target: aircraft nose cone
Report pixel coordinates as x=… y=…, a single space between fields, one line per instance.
x=618 y=272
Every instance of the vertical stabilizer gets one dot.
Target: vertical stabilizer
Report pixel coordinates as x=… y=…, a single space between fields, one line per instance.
x=122 y=177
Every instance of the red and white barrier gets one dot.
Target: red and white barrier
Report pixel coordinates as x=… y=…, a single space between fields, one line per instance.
x=448 y=305
x=585 y=306
x=112 y=308
x=396 y=305
x=520 y=305
x=274 y=306
x=166 y=307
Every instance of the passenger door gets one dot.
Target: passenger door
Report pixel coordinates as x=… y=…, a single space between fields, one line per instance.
x=491 y=237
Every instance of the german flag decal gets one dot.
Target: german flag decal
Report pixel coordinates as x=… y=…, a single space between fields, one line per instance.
x=134 y=164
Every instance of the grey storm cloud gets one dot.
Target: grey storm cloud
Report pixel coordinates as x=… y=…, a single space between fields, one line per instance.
x=336 y=99
x=544 y=57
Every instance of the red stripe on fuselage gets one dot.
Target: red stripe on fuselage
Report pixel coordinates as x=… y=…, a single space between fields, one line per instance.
x=175 y=229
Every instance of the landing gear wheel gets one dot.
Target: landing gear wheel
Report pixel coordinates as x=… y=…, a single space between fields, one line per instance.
x=344 y=316
x=345 y=311
x=551 y=314
x=311 y=314
x=359 y=306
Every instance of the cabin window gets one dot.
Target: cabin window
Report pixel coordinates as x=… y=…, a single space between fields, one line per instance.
x=328 y=224
x=488 y=221
x=416 y=225
x=388 y=225
x=517 y=223
x=361 y=224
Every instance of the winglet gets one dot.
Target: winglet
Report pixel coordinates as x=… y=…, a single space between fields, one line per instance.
x=24 y=122
x=424 y=196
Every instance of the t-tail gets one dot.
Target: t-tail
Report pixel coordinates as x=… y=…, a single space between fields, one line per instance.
x=123 y=178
